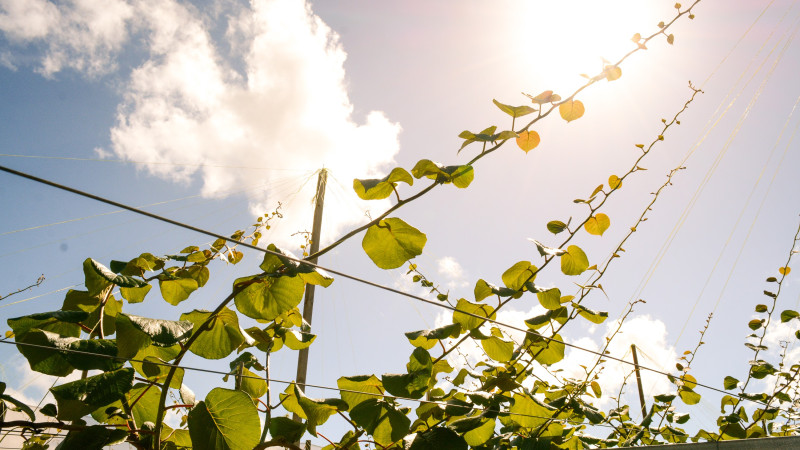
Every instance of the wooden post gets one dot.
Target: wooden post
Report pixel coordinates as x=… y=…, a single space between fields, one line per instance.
x=639 y=380
x=308 y=301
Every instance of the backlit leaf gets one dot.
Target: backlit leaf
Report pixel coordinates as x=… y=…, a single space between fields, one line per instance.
x=528 y=140
x=376 y=189
x=571 y=110
x=220 y=337
x=391 y=242
x=226 y=420
x=574 y=262
x=597 y=224
x=514 y=111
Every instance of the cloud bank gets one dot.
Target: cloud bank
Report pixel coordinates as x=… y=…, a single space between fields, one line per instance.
x=261 y=104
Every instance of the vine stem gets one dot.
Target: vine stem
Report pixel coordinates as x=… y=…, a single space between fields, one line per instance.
x=176 y=362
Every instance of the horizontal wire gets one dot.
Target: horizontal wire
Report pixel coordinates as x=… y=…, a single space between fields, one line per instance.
x=123 y=161
x=40 y=295
x=273 y=380
x=333 y=271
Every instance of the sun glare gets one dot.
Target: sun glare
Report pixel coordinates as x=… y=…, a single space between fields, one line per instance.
x=572 y=37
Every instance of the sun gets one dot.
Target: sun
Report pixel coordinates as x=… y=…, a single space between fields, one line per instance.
x=573 y=37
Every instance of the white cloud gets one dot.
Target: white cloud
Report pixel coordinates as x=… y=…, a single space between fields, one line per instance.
x=84 y=35
x=453 y=273
x=271 y=93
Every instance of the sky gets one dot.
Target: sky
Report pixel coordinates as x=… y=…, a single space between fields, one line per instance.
x=212 y=112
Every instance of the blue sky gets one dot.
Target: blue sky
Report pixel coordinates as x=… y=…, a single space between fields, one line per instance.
x=362 y=87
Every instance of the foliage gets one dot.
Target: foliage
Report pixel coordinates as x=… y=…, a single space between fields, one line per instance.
x=500 y=402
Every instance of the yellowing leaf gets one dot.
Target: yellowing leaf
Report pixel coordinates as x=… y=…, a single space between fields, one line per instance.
x=597 y=224
x=544 y=97
x=671 y=39
x=571 y=110
x=612 y=73
x=636 y=38
x=784 y=270
x=528 y=140
x=614 y=182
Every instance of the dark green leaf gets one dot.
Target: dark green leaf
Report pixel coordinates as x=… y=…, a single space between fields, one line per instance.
x=79 y=398
x=63 y=323
x=226 y=420
x=381 y=420
x=286 y=429
x=438 y=438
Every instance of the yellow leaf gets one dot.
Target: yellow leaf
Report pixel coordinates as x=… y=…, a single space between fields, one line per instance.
x=671 y=39
x=636 y=38
x=598 y=224
x=544 y=97
x=571 y=110
x=528 y=140
x=784 y=270
x=677 y=6
x=612 y=72
x=614 y=182
x=640 y=146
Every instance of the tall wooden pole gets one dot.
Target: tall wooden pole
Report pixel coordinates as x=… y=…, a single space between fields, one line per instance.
x=308 y=301
x=639 y=380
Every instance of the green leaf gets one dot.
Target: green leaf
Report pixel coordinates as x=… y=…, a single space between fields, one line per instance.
x=547 y=351
x=597 y=224
x=135 y=333
x=518 y=274
x=60 y=322
x=60 y=359
x=550 y=299
x=468 y=322
x=498 y=349
x=317 y=411
x=391 y=242
x=156 y=370
x=438 y=438
x=360 y=383
x=226 y=420
x=597 y=317
x=298 y=340
x=574 y=262
x=460 y=176
x=381 y=420
x=428 y=338
x=556 y=226
x=689 y=396
x=266 y=298
x=475 y=430
x=514 y=111
x=414 y=383
x=484 y=289
x=92 y=437
x=176 y=291
x=220 y=338
x=79 y=398
x=730 y=383
x=17 y=404
x=95 y=283
x=106 y=274
x=253 y=384
x=286 y=429
x=82 y=301
x=135 y=294
x=529 y=412
x=789 y=315
x=377 y=189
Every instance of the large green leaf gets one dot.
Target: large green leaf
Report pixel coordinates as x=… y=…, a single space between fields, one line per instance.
x=597 y=317
x=377 y=189
x=475 y=430
x=414 y=383
x=226 y=420
x=82 y=301
x=64 y=323
x=547 y=351
x=359 y=383
x=254 y=385
x=286 y=430
x=220 y=338
x=79 y=398
x=59 y=358
x=135 y=333
x=94 y=437
x=428 y=338
x=550 y=299
x=317 y=411
x=135 y=294
x=470 y=322
x=156 y=370
x=529 y=412
x=391 y=242
x=381 y=420
x=177 y=290
x=498 y=349
x=517 y=275
x=574 y=262
x=266 y=298
x=101 y=271
x=438 y=438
